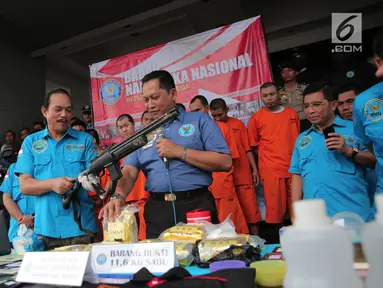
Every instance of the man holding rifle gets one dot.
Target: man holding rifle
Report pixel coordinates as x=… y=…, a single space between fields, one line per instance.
x=48 y=163
x=193 y=147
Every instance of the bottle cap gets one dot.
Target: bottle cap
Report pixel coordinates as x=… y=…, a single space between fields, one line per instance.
x=310 y=213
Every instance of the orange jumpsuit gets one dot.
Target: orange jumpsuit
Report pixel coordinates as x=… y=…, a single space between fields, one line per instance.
x=223 y=187
x=243 y=180
x=274 y=134
x=139 y=196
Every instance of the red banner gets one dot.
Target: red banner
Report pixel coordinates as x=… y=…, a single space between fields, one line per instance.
x=230 y=62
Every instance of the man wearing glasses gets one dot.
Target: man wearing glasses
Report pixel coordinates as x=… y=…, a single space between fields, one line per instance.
x=331 y=169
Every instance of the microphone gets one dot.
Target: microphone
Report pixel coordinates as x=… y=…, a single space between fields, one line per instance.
x=161 y=135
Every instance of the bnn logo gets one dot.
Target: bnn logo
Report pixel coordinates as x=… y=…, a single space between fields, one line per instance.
x=346 y=32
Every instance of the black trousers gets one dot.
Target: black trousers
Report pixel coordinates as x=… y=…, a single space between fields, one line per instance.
x=158 y=213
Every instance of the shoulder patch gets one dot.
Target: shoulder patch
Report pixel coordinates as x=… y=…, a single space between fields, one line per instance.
x=373 y=109
x=39 y=146
x=186 y=130
x=350 y=139
x=304 y=142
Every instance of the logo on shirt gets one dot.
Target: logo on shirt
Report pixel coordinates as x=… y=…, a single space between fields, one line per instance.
x=110 y=92
x=374 y=110
x=350 y=139
x=151 y=138
x=186 y=130
x=305 y=142
x=39 y=146
x=75 y=147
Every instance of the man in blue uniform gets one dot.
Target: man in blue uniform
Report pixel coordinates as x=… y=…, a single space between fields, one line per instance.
x=368 y=113
x=194 y=147
x=48 y=162
x=346 y=99
x=20 y=207
x=330 y=169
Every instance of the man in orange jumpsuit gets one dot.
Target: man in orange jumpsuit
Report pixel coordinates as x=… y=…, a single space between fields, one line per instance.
x=223 y=183
x=272 y=133
x=245 y=169
x=126 y=128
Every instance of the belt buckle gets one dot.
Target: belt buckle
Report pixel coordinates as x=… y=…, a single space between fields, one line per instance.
x=170 y=197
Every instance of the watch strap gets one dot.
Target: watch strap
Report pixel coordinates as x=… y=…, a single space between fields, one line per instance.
x=117 y=196
x=355 y=152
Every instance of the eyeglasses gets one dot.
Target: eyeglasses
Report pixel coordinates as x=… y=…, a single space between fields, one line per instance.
x=315 y=106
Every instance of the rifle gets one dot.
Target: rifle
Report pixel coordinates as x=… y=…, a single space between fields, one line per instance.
x=110 y=158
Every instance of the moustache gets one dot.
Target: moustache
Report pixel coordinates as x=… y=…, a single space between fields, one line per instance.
x=62 y=121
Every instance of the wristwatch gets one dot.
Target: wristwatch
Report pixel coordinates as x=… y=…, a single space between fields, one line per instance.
x=117 y=196
x=354 y=152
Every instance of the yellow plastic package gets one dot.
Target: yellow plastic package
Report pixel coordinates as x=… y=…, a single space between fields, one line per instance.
x=184 y=253
x=124 y=228
x=208 y=249
x=184 y=250
x=184 y=232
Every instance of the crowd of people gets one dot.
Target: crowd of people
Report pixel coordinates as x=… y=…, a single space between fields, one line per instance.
x=308 y=141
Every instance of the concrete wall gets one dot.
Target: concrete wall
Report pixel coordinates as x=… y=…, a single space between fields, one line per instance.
x=22 y=88
x=77 y=87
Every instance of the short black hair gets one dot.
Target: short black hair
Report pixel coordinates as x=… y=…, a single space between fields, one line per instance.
x=218 y=103
x=78 y=122
x=201 y=98
x=181 y=105
x=377 y=44
x=165 y=78
x=344 y=89
x=48 y=96
x=25 y=128
x=11 y=131
x=94 y=133
x=330 y=93
x=38 y=123
x=74 y=118
x=122 y=116
x=267 y=85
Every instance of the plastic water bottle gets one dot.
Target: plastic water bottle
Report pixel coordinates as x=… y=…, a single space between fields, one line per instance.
x=317 y=253
x=372 y=240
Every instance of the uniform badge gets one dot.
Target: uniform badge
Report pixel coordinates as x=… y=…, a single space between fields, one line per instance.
x=75 y=147
x=39 y=146
x=186 y=130
x=305 y=142
x=374 y=109
x=151 y=138
x=350 y=139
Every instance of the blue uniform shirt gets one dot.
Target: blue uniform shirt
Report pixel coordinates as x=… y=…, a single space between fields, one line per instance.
x=368 y=124
x=329 y=175
x=194 y=130
x=43 y=158
x=26 y=204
